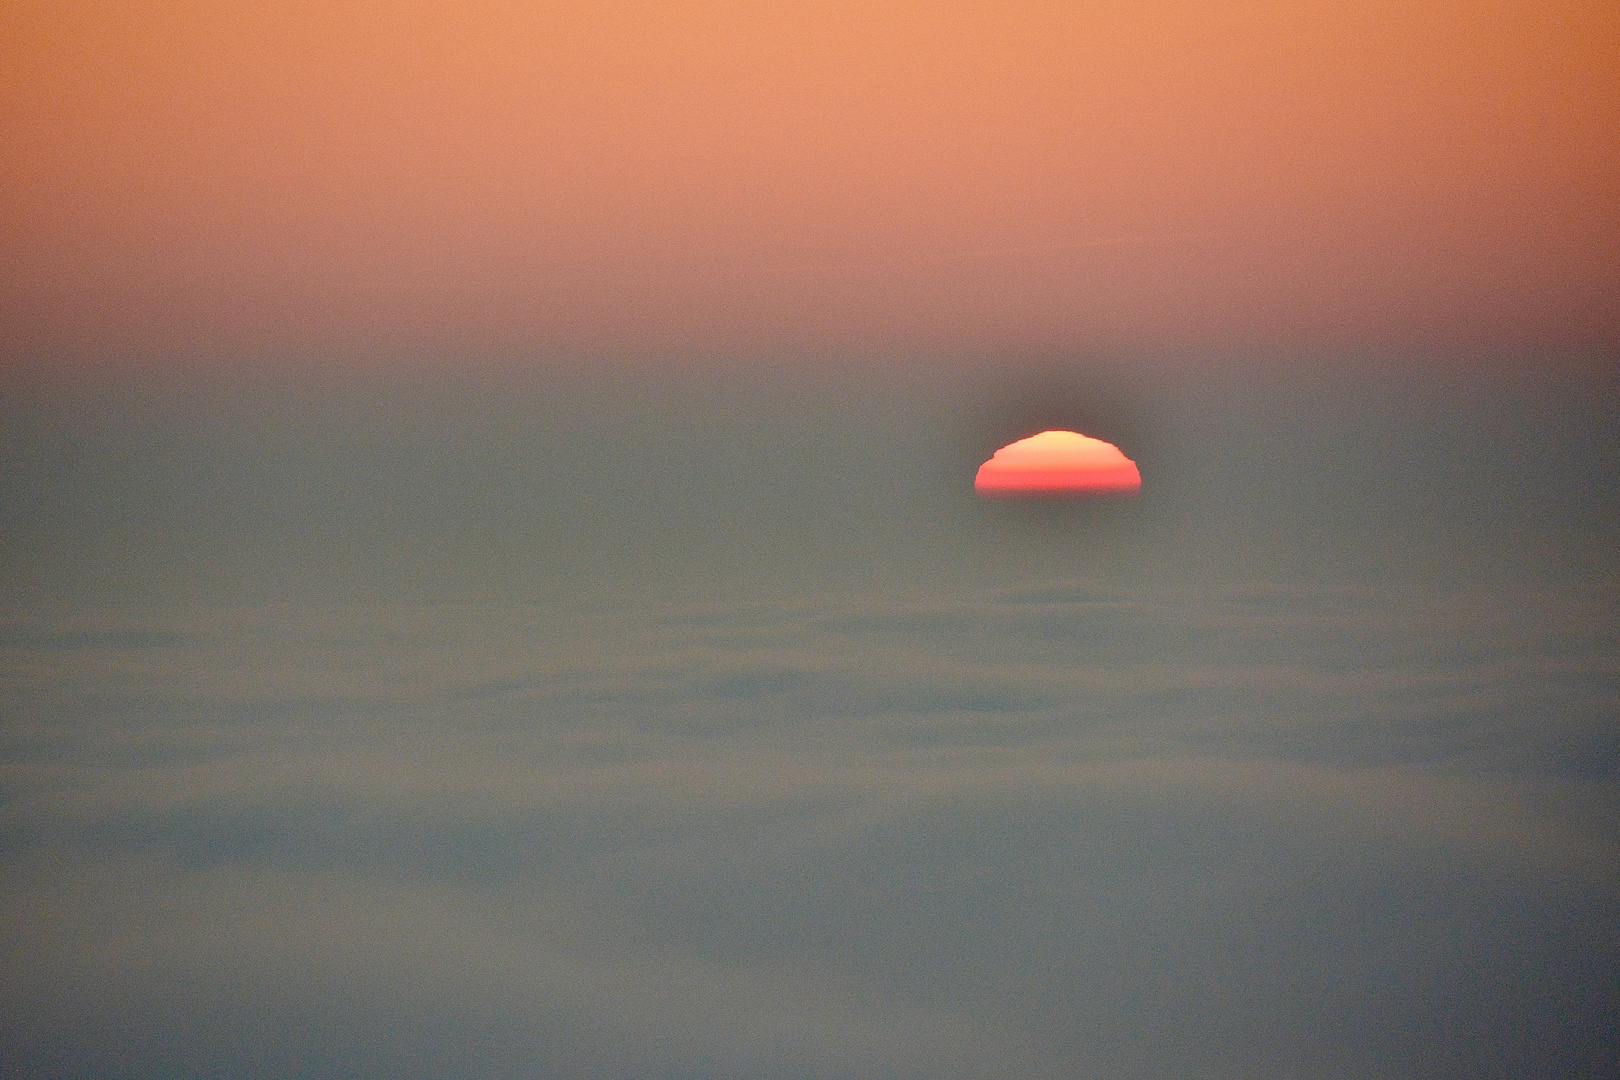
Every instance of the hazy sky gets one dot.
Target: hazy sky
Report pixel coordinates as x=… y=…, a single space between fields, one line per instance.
x=226 y=176
x=491 y=584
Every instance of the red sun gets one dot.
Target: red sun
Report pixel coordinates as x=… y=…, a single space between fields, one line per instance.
x=1058 y=463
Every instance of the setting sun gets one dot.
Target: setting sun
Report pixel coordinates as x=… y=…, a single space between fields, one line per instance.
x=1058 y=463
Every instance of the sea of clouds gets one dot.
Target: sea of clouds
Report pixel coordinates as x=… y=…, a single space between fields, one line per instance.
x=716 y=742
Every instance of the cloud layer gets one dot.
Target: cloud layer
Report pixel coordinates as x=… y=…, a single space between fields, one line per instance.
x=716 y=729
x=1045 y=831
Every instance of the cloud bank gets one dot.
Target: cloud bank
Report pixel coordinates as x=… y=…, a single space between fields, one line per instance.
x=1037 y=831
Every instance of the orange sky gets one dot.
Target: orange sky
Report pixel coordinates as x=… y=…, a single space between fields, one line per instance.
x=229 y=176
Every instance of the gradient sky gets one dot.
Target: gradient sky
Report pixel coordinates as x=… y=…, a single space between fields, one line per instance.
x=491 y=583
x=236 y=176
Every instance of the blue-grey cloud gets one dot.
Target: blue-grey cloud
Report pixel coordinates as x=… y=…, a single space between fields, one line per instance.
x=724 y=797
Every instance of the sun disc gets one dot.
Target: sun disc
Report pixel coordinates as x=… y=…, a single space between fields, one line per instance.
x=1058 y=463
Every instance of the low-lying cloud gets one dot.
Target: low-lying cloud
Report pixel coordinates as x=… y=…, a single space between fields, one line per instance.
x=1034 y=832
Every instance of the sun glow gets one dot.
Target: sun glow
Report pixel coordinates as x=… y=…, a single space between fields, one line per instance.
x=1058 y=463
